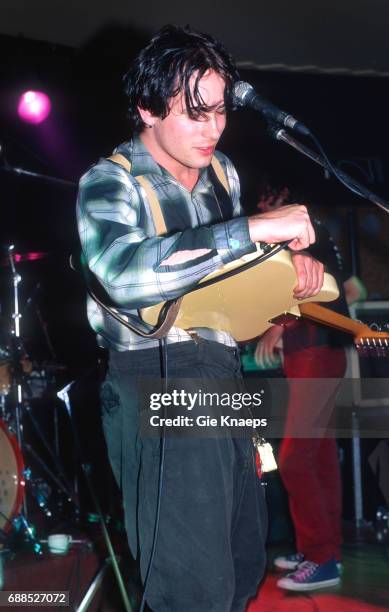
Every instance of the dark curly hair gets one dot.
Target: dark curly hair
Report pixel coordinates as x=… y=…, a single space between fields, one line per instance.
x=165 y=67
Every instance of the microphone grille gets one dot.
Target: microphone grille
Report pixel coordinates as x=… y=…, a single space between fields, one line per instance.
x=239 y=93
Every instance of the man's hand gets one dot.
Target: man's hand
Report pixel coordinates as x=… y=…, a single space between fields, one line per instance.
x=266 y=354
x=310 y=275
x=290 y=222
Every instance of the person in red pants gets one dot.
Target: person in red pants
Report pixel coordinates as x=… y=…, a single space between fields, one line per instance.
x=308 y=457
x=309 y=466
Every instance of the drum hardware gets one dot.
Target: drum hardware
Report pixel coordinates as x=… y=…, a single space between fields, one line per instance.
x=19 y=384
x=61 y=481
x=64 y=488
x=41 y=492
x=16 y=278
x=20 y=523
x=11 y=478
x=12 y=483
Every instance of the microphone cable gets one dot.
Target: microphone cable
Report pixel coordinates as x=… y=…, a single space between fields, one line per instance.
x=164 y=371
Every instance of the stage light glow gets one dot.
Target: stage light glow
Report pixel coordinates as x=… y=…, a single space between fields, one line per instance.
x=34 y=106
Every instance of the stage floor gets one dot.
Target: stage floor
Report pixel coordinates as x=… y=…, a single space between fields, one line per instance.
x=364 y=587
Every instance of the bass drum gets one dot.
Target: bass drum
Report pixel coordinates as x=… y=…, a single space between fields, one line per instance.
x=11 y=477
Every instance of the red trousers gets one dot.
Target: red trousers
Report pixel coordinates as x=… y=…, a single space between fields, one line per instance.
x=309 y=466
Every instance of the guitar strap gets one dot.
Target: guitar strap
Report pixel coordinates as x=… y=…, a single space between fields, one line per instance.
x=170 y=311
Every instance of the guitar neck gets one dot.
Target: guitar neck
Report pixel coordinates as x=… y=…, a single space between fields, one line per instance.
x=320 y=314
x=364 y=337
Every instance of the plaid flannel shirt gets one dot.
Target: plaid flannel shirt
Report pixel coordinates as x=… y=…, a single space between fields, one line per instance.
x=122 y=249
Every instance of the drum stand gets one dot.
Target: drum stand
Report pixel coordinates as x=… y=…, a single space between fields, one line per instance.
x=21 y=406
x=22 y=518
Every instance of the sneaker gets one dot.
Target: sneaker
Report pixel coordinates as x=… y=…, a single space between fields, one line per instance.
x=289 y=562
x=310 y=576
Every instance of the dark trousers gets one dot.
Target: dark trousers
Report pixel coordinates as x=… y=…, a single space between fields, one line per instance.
x=210 y=546
x=309 y=467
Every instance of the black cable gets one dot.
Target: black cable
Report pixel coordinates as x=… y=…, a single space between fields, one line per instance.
x=323 y=160
x=351 y=184
x=331 y=168
x=164 y=370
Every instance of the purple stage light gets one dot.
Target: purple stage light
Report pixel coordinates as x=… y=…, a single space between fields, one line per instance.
x=34 y=106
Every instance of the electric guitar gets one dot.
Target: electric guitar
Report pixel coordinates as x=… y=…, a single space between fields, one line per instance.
x=246 y=301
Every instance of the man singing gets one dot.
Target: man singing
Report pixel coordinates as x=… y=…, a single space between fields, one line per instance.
x=209 y=547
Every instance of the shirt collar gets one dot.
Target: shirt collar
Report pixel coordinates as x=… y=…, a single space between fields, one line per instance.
x=143 y=163
x=141 y=160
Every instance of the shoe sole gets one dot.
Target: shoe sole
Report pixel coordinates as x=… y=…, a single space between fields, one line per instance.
x=295 y=586
x=290 y=567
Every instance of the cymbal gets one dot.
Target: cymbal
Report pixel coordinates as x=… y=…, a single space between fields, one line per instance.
x=22 y=257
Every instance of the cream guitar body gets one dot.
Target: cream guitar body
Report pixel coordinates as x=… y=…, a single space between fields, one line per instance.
x=244 y=304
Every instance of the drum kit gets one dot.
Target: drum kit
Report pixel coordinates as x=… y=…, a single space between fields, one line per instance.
x=28 y=476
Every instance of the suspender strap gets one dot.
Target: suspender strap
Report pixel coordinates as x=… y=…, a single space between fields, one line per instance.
x=218 y=168
x=170 y=311
x=119 y=159
x=155 y=207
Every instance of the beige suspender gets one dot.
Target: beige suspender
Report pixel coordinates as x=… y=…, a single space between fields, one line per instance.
x=118 y=158
x=155 y=207
x=218 y=168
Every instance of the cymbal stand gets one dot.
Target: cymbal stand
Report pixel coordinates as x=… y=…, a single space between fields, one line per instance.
x=16 y=337
x=23 y=518
x=22 y=406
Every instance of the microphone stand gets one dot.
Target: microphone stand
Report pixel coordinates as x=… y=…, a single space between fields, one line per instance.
x=36 y=175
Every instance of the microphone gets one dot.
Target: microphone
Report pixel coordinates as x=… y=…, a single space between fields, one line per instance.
x=243 y=94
